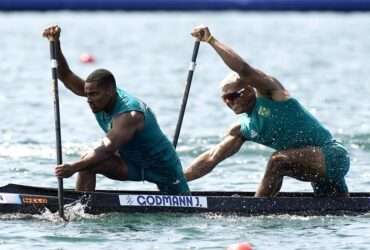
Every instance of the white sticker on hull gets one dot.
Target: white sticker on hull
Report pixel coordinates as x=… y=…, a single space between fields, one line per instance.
x=6 y=198
x=163 y=201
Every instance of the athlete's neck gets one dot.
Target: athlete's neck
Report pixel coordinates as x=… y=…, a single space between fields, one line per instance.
x=109 y=108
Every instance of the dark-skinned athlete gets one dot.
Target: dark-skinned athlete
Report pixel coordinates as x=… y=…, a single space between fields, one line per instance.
x=134 y=147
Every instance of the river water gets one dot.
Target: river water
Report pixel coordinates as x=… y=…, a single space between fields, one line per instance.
x=321 y=58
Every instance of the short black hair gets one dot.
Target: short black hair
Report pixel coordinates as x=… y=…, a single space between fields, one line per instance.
x=103 y=77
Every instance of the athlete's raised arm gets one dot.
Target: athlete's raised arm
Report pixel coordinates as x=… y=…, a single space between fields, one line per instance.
x=266 y=85
x=70 y=79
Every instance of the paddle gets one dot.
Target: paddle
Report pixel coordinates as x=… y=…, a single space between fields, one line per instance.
x=57 y=125
x=186 y=93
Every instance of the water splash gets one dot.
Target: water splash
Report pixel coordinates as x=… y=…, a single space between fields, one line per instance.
x=74 y=212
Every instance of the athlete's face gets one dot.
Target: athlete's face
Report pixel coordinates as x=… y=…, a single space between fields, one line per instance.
x=239 y=99
x=98 y=97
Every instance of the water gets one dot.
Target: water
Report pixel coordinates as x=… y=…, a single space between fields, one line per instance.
x=321 y=58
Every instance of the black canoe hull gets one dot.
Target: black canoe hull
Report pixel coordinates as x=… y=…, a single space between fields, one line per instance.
x=34 y=200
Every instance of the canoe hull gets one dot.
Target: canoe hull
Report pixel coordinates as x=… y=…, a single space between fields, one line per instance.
x=34 y=200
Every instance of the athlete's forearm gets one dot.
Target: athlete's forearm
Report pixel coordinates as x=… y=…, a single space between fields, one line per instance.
x=200 y=167
x=63 y=68
x=65 y=74
x=230 y=57
x=93 y=158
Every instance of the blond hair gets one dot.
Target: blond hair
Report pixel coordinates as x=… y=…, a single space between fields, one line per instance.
x=230 y=79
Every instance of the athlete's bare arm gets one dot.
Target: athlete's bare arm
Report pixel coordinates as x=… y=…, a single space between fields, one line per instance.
x=124 y=128
x=207 y=161
x=70 y=79
x=266 y=85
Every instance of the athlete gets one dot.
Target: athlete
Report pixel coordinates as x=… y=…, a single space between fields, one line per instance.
x=305 y=149
x=134 y=147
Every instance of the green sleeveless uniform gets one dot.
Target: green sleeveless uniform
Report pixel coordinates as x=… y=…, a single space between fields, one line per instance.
x=149 y=155
x=285 y=125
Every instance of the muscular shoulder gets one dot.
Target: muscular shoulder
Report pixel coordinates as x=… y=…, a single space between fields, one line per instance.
x=132 y=119
x=266 y=85
x=235 y=130
x=278 y=95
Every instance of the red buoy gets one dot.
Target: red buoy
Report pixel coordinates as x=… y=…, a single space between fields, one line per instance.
x=240 y=246
x=87 y=58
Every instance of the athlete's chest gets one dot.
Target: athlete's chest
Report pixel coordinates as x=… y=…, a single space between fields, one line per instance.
x=106 y=122
x=268 y=124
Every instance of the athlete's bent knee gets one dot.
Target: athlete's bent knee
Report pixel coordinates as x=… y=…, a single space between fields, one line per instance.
x=278 y=163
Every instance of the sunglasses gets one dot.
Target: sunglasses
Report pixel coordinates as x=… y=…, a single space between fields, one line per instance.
x=234 y=95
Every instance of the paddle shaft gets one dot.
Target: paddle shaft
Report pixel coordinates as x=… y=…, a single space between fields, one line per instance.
x=57 y=124
x=186 y=93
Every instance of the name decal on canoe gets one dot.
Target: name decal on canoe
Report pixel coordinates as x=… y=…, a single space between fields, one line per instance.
x=7 y=198
x=163 y=201
x=34 y=200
